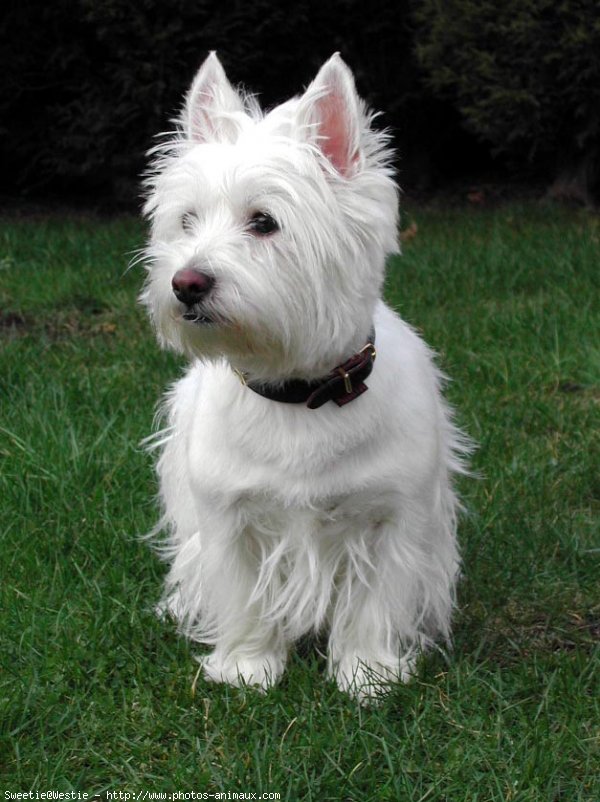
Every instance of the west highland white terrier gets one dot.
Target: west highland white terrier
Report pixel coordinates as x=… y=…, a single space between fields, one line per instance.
x=305 y=470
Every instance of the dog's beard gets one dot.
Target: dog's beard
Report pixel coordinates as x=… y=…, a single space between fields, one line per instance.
x=197 y=316
x=249 y=346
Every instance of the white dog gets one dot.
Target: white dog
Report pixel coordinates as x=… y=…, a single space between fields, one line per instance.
x=306 y=485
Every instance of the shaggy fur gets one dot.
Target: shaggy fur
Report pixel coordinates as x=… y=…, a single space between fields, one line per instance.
x=282 y=520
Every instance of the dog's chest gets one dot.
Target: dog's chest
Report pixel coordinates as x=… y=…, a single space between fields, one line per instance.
x=329 y=520
x=278 y=472
x=238 y=443
x=281 y=490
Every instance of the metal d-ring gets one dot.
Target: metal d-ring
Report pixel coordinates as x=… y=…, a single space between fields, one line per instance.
x=372 y=349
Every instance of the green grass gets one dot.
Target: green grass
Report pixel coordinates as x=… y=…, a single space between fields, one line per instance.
x=96 y=694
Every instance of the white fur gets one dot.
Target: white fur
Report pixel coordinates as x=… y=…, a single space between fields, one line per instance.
x=283 y=520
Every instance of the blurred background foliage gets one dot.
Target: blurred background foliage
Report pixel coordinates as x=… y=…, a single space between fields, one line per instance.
x=470 y=88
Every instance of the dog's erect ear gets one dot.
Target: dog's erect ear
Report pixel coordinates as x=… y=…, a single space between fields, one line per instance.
x=329 y=113
x=211 y=105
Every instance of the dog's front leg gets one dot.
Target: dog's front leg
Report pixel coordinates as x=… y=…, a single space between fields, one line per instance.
x=249 y=645
x=390 y=599
x=364 y=655
x=211 y=590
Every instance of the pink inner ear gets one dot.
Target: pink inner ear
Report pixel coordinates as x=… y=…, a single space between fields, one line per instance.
x=335 y=129
x=203 y=126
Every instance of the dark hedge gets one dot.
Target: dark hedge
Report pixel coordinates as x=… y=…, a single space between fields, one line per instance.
x=86 y=84
x=525 y=75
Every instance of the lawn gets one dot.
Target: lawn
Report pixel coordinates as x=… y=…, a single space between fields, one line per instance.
x=98 y=695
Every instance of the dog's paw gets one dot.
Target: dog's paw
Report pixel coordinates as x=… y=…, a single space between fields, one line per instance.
x=368 y=679
x=262 y=671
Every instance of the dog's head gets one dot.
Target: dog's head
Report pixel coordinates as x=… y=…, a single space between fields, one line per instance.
x=270 y=230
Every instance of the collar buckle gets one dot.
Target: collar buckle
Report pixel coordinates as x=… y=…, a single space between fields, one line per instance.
x=346 y=377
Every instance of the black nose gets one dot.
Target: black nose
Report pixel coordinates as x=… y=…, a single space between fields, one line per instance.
x=190 y=285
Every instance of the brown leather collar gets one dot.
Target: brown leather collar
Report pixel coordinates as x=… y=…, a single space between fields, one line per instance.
x=342 y=385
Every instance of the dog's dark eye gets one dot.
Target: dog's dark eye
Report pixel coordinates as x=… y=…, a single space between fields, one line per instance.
x=262 y=223
x=188 y=220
